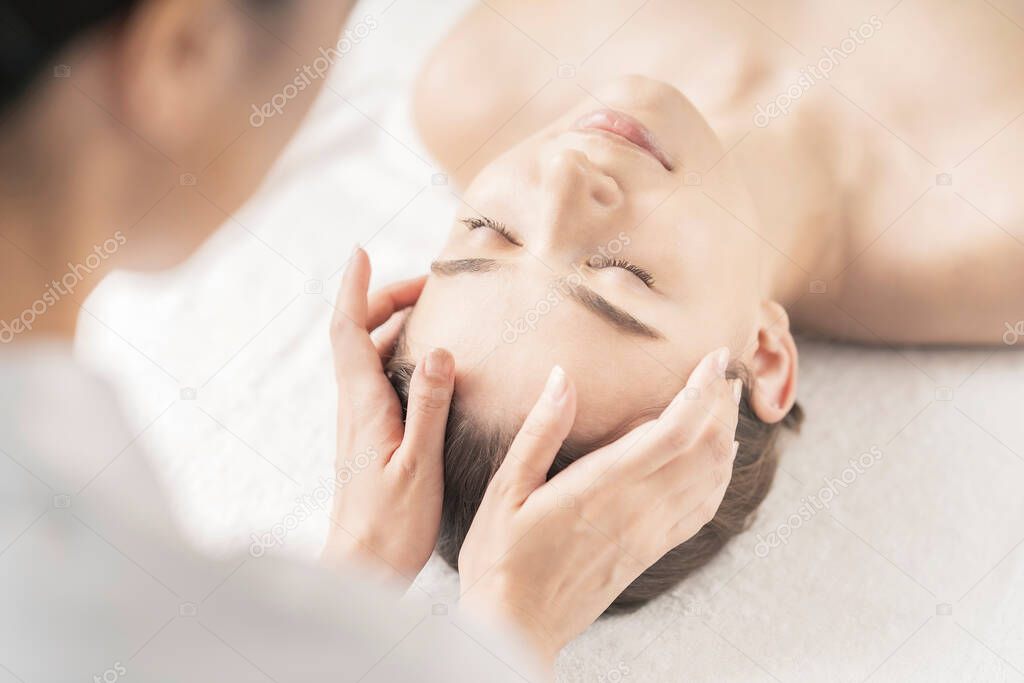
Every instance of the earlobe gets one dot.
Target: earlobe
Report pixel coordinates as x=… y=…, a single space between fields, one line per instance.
x=774 y=366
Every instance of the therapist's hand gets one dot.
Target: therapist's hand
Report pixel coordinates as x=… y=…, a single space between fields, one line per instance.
x=550 y=556
x=390 y=476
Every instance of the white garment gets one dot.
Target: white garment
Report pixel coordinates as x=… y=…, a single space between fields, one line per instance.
x=98 y=585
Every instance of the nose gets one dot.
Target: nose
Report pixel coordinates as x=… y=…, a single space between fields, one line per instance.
x=577 y=197
x=569 y=176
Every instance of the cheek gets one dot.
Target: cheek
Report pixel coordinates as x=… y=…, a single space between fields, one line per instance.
x=609 y=402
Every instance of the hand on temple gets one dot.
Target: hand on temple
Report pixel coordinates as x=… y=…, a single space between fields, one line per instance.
x=550 y=556
x=389 y=475
x=546 y=557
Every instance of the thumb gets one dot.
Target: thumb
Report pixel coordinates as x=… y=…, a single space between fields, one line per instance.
x=430 y=396
x=534 y=449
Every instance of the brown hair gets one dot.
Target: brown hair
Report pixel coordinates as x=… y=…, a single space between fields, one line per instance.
x=473 y=453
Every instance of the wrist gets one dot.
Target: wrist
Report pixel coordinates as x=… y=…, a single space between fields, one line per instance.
x=542 y=642
x=342 y=552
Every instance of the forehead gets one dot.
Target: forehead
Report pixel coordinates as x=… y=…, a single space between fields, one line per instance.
x=506 y=334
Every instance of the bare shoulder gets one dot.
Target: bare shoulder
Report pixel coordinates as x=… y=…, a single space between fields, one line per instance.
x=931 y=256
x=934 y=222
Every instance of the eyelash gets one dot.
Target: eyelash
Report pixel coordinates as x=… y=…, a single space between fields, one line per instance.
x=644 y=275
x=498 y=227
x=475 y=222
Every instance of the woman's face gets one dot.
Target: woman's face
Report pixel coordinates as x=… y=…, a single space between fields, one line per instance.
x=604 y=252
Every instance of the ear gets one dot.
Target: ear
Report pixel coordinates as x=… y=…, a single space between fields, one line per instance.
x=774 y=365
x=177 y=60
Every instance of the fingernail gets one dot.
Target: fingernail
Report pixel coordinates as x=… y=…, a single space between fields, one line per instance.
x=735 y=449
x=737 y=390
x=721 y=360
x=556 y=385
x=438 y=364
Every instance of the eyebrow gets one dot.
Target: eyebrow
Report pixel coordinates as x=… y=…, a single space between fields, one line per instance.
x=596 y=303
x=464 y=265
x=581 y=294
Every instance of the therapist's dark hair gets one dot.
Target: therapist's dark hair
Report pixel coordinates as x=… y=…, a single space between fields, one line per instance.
x=473 y=452
x=34 y=32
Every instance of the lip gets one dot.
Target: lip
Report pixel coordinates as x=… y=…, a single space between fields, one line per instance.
x=627 y=128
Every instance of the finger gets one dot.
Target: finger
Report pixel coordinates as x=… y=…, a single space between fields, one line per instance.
x=384 y=303
x=538 y=441
x=714 y=451
x=705 y=403
x=386 y=336
x=710 y=368
x=351 y=302
x=430 y=395
x=706 y=389
x=355 y=357
x=698 y=517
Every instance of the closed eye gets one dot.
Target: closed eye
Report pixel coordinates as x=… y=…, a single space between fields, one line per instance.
x=476 y=222
x=641 y=273
x=598 y=262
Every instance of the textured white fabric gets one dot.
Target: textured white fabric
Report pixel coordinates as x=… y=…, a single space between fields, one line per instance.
x=913 y=573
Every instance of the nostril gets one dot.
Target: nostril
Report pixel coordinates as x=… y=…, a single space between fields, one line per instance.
x=570 y=172
x=606 y=192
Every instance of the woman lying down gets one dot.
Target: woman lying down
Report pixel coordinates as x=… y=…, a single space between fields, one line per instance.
x=607 y=229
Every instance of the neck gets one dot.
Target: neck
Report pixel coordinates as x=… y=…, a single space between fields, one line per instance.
x=796 y=194
x=36 y=300
x=60 y=192
x=788 y=166
x=47 y=253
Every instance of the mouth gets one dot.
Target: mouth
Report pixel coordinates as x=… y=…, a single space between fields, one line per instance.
x=626 y=128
